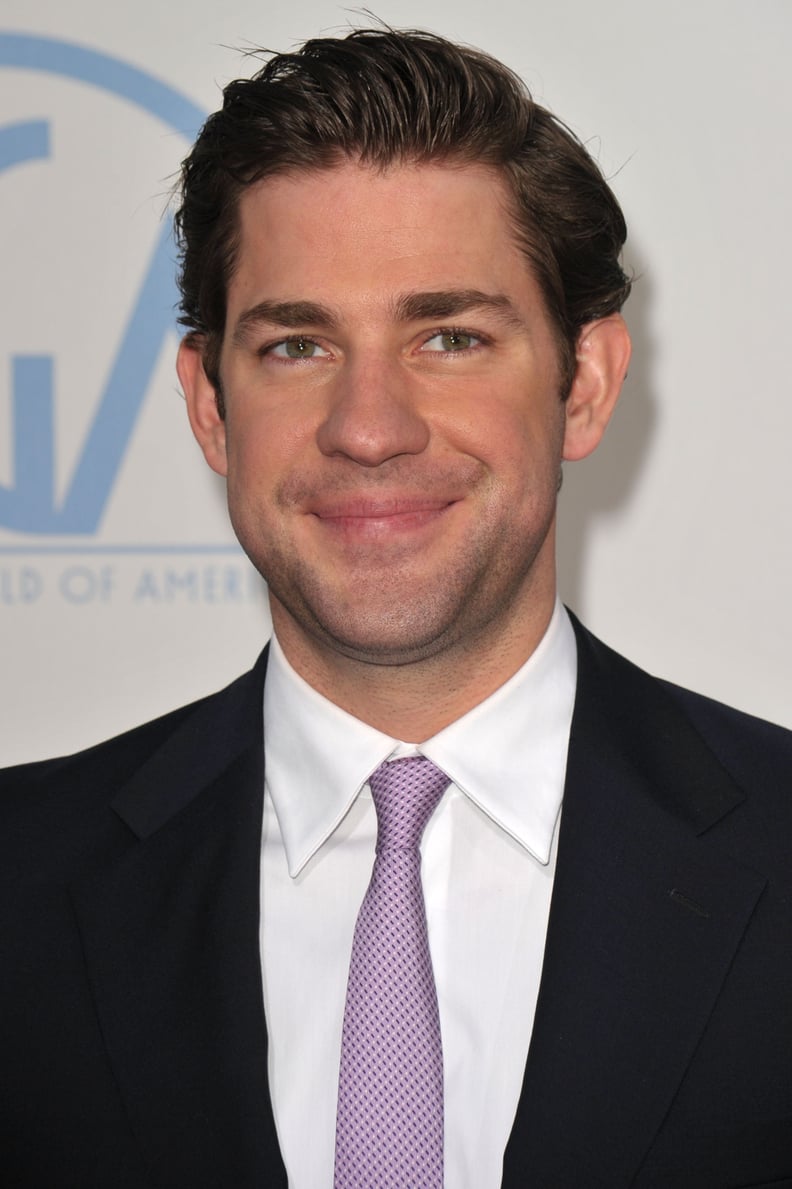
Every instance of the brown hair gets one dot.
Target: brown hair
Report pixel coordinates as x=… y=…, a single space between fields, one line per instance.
x=382 y=96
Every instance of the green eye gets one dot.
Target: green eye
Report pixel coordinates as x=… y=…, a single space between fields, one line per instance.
x=450 y=341
x=456 y=341
x=300 y=348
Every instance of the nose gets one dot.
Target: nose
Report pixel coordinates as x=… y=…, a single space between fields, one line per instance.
x=373 y=415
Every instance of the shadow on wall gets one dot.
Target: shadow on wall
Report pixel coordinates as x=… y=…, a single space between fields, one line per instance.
x=604 y=483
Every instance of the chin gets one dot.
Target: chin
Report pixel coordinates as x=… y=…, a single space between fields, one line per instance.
x=385 y=639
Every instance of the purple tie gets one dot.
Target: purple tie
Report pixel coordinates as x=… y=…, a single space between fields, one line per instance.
x=389 y=1129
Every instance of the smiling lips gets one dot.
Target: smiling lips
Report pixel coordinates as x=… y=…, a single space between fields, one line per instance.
x=376 y=517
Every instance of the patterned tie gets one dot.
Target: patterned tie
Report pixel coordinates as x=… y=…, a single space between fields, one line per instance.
x=389 y=1129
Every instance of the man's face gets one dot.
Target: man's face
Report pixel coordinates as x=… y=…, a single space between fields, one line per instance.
x=394 y=427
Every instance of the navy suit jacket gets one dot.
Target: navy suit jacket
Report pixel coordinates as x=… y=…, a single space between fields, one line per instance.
x=132 y=1033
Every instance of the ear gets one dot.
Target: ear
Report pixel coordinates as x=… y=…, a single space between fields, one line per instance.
x=202 y=405
x=603 y=355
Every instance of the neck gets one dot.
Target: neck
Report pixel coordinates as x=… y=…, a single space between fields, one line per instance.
x=414 y=700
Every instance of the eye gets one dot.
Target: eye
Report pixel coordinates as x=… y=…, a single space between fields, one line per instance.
x=450 y=341
x=297 y=347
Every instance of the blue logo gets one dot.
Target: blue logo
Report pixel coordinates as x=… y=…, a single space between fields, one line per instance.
x=29 y=503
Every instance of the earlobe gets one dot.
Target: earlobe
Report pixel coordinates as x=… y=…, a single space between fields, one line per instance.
x=202 y=407
x=603 y=355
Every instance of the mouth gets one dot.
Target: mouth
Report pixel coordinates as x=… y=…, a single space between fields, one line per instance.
x=380 y=516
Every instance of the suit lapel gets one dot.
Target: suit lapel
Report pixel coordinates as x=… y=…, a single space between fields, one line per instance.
x=170 y=934
x=645 y=919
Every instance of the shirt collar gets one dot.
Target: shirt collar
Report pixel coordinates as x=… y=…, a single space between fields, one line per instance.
x=317 y=758
x=507 y=755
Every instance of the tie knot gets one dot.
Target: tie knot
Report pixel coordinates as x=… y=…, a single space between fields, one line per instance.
x=406 y=793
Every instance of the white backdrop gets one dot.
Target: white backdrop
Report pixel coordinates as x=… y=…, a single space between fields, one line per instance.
x=121 y=591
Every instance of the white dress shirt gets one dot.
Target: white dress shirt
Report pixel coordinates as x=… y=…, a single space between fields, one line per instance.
x=488 y=861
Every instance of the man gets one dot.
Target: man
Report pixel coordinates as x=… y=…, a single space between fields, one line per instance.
x=401 y=285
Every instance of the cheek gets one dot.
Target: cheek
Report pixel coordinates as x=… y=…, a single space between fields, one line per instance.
x=261 y=446
x=521 y=444
x=252 y=478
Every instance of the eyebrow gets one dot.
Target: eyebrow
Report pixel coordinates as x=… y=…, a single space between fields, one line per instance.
x=409 y=307
x=285 y=314
x=449 y=303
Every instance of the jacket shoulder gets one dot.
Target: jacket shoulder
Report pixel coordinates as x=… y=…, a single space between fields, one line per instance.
x=750 y=747
x=97 y=772
x=670 y=723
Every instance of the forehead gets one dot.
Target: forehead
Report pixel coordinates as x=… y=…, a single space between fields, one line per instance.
x=368 y=233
